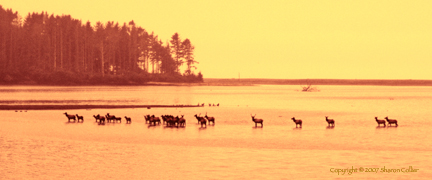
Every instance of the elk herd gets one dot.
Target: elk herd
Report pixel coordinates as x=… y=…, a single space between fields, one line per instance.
x=180 y=121
x=168 y=120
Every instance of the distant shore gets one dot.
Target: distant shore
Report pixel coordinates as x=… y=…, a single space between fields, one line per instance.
x=372 y=82
x=60 y=107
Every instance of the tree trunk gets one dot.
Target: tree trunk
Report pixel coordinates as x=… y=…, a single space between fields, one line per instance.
x=102 y=59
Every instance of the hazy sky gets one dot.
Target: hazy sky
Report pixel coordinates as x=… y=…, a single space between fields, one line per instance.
x=340 y=39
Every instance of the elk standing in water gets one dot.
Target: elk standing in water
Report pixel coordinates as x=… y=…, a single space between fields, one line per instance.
x=117 y=119
x=380 y=121
x=198 y=118
x=257 y=121
x=110 y=117
x=330 y=121
x=210 y=119
x=80 y=118
x=97 y=117
x=297 y=121
x=201 y=120
x=147 y=118
x=181 y=121
x=155 y=120
x=128 y=120
x=101 y=119
x=70 y=116
x=391 y=121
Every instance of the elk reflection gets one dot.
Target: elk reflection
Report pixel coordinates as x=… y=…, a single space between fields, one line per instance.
x=330 y=127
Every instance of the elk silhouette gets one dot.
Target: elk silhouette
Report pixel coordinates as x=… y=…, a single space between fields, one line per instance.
x=128 y=120
x=257 y=121
x=297 y=121
x=210 y=119
x=330 y=121
x=70 y=116
x=80 y=118
x=391 y=121
x=380 y=121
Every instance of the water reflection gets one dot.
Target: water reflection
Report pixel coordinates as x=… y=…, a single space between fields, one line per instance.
x=146 y=150
x=74 y=122
x=391 y=127
x=330 y=127
x=153 y=126
x=202 y=128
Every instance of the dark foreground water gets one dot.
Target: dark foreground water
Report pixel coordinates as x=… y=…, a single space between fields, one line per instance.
x=43 y=145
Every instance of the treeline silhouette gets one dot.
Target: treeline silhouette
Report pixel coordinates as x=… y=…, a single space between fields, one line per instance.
x=60 y=50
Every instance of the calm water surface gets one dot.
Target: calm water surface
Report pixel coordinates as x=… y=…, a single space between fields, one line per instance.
x=43 y=145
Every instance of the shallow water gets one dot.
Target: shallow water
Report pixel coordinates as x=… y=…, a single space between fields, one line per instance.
x=43 y=145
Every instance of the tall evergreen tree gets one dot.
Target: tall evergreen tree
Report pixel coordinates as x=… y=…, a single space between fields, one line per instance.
x=100 y=44
x=188 y=50
x=176 y=50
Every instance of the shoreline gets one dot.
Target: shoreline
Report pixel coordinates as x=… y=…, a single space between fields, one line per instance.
x=337 y=82
x=258 y=81
x=65 y=107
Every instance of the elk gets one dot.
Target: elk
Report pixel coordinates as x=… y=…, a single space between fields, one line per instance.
x=97 y=117
x=147 y=118
x=297 y=121
x=155 y=119
x=165 y=118
x=210 y=119
x=181 y=121
x=128 y=120
x=70 y=116
x=257 y=121
x=116 y=119
x=101 y=119
x=330 y=121
x=380 y=121
x=391 y=121
x=110 y=117
x=201 y=120
x=198 y=118
x=80 y=118
x=172 y=121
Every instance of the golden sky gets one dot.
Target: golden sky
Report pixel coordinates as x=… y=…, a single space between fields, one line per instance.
x=338 y=39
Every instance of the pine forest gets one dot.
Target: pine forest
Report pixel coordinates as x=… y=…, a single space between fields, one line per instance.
x=44 y=49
